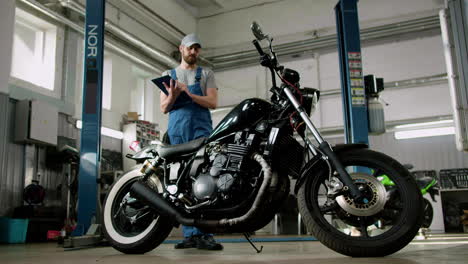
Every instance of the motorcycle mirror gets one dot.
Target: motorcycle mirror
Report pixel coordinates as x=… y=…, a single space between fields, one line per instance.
x=257 y=31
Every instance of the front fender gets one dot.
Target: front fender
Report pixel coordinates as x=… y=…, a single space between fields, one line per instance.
x=316 y=164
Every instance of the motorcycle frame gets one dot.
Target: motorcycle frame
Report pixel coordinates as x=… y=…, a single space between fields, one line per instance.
x=271 y=62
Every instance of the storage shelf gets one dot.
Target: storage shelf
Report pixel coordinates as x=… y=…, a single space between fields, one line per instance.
x=454 y=190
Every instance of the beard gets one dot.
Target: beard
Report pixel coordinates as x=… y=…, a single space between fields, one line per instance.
x=190 y=59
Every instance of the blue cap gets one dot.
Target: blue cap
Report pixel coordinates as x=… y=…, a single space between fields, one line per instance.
x=189 y=40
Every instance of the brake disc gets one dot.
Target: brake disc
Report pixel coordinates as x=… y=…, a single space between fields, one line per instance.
x=374 y=193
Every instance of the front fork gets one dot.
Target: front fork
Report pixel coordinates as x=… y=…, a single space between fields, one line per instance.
x=324 y=147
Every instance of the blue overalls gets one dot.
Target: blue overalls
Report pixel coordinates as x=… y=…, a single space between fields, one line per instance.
x=187 y=123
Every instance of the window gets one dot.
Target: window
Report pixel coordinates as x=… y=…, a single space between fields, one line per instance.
x=137 y=97
x=34 y=51
x=107 y=83
x=141 y=98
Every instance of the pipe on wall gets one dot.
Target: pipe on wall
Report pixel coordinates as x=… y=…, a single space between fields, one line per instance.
x=127 y=36
x=111 y=44
x=247 y=57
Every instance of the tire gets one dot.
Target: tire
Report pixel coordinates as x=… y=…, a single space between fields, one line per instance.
x=401 y=207
x=132 y=238
x=428 y=214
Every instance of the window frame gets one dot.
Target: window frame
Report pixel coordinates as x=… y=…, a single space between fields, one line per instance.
x=49 y=30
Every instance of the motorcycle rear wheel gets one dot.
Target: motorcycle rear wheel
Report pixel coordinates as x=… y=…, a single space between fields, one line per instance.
x=348 y=228
x=129 y=226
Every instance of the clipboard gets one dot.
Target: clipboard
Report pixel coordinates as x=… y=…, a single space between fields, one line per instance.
x=183 y=98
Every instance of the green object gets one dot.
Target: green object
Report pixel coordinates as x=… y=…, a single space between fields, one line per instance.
x=386 y=181
x=425 y=189
x=13 y=231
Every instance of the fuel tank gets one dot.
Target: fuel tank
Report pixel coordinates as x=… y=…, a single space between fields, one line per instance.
x=244 y=115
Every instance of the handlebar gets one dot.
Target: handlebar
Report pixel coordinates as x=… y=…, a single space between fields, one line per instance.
x=257 y=45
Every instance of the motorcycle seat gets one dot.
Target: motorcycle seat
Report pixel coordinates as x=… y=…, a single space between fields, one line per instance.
x=171 y=151
x=423 y=182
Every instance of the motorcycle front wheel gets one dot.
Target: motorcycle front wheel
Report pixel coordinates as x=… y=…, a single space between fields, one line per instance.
x=130 y=226
x=384 y=222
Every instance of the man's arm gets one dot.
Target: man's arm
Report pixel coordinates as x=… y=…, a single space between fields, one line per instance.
x=210 y=100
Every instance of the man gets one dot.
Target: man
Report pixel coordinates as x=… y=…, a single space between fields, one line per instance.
x=193 y=120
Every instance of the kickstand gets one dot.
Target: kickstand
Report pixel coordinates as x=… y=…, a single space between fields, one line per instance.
x=247 y=236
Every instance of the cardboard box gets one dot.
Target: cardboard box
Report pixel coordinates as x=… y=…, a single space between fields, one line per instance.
x=132 y=116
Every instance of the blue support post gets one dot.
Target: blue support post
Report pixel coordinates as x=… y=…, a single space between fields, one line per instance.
x=90 y=148
x=352 y=82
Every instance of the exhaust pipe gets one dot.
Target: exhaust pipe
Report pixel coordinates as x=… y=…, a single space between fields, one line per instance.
x=144 y=193
x=147 y=195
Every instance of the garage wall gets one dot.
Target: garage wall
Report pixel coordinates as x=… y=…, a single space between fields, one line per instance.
x=7 y=20
x=11 y=159
x=400 y=59
x=302 y=18
x=17 y=161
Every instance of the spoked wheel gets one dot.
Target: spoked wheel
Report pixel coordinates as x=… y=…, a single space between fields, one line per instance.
x=130 y=226
x=428 y=214
x=385 y=221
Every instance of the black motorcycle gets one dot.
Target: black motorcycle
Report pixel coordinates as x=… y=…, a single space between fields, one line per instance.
x=235 y=180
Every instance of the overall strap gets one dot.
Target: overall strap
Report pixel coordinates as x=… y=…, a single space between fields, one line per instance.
x=198 y=75
x=173 y=74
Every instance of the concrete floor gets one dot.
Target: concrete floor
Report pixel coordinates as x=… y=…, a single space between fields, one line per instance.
x=438 y=249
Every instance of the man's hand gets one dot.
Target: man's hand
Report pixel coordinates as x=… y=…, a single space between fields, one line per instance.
x=184 y=88
x=174 y=88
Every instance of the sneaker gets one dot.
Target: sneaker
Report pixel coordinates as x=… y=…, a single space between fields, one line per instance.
x=207 y=242
x=188 y=242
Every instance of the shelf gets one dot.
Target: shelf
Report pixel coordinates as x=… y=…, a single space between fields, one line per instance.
x=454 y=190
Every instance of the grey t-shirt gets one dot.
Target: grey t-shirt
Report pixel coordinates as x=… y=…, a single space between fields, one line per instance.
x=188 y=77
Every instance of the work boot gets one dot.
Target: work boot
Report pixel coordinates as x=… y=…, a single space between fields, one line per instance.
x=207 y=242
x=188 y=242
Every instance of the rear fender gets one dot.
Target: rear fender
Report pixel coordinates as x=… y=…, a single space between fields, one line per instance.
x=148 y=152
x=317 y=163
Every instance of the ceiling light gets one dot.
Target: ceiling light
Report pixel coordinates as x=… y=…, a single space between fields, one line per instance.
x=425 y=124
x=427 y=132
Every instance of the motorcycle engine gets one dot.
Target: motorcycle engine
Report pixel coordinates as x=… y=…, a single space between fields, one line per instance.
x=221 y=177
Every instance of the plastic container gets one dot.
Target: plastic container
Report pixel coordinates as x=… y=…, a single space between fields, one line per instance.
x=376 y=116
x=13 y=231
x=53 y=234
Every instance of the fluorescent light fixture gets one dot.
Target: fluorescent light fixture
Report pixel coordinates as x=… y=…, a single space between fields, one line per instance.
x=426 y=124
x=426 y=132
x=104 y=131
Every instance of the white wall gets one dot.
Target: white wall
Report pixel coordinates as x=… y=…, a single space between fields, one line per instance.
x=7 y=21
x=394 y=61
x=297 y=19
x=123 y=78
x=173 y=13
x=145 y=34
x=400 y=58
x=123 y=91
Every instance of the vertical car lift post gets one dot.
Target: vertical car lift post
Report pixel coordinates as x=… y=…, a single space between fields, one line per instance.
x=352 y=81
x=90 y=147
